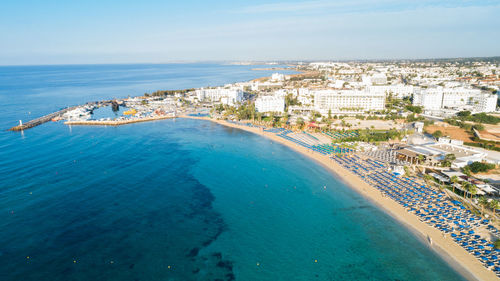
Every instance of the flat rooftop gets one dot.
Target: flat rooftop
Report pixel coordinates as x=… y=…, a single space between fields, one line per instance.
x=458 y=151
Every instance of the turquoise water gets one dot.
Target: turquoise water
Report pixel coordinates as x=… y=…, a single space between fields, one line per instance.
x=178 y=199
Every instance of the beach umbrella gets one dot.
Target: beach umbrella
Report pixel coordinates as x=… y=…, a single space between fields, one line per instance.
x=480 y=247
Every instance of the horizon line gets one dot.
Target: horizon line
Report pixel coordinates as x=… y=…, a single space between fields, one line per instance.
x=261 y=61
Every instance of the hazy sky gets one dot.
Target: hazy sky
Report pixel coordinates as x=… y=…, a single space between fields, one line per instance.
x=106 y=31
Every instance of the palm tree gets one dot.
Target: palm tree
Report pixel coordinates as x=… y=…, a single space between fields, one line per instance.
x=453 y=180
x=472 y=190
x=494 y=205
x=483 y=201
x=465 y=187
x=420 y=158
x=427 y=179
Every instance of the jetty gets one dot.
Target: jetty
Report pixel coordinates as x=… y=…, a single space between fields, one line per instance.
x=46 y=118
x=40 y=120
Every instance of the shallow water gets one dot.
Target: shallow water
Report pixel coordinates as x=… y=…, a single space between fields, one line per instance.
x=179 y=199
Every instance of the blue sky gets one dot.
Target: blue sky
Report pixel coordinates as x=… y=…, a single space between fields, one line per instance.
x=106 y=31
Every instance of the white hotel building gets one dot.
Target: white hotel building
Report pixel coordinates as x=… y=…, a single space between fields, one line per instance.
x=225 y=96
x=347 y=101
x=475 y=100
x=270 y=104
x=398 y=91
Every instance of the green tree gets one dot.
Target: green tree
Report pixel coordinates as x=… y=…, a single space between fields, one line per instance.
x=483 y=202
x=448 y=159
x=420 y=158
x=463 y=113
x=497 y=244
x=300 y=122
x=478 y=167
x=478 y=127
x=472 y=190
x=427 y=178
x=466 y=170
x=414 y=109
x=465 y=187
x=437 y=134
x=453 y=180
x=494 y=205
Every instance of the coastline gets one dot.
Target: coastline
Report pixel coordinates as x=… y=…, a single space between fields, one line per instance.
x=459 y=259
x=116 y=122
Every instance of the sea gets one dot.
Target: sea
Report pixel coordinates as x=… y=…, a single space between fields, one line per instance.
x=177 y=199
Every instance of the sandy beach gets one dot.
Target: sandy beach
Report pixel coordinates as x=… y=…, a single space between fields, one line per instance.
x=451 y=252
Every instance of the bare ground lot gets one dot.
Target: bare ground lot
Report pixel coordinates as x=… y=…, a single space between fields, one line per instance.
x=453 y=132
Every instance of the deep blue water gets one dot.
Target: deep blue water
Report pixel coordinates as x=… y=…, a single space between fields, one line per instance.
x=177 y=199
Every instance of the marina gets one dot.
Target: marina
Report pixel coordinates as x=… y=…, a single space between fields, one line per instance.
x=83 y=115
x=59 y=115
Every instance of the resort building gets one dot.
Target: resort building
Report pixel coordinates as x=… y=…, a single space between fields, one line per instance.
x=222 y=95
x=434 y=153
x=398 y=91
x=347 y=101
x=455 y=98
x=270 y=104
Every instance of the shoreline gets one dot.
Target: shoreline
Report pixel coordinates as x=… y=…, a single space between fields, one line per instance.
x=454 y=255
x=116 y=122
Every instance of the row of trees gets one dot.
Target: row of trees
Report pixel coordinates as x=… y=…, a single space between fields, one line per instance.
x=478 y=167
x=369 y=135
x=162 y=93
x=478 y=118
x=463 y=125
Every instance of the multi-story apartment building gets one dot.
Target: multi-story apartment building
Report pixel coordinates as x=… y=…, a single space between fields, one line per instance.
x=225 y=96
x=347 y=101
x=455 y=98
x=398 y=90
x=270 y=104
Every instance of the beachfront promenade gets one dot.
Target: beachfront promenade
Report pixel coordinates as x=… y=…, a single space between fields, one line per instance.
x=429 y=205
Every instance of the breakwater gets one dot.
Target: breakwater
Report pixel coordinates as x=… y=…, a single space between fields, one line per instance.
x=57 y=114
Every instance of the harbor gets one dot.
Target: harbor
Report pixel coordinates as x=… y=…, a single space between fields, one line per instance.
x=58 y=115
x=135 y=110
